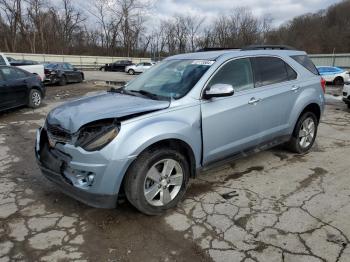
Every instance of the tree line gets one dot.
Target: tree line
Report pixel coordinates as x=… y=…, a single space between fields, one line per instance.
x=117 y=28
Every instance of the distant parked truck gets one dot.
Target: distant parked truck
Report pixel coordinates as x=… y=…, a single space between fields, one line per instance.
x=34 y=69
x=334 y=75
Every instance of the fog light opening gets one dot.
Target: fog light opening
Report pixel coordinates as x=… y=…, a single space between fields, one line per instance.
x=85 y=179
x=81 y=179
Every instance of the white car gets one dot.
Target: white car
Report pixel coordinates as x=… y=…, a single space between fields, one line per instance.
x=138 y=68
x=346 y=94
x=34 y=69
x=334 y=74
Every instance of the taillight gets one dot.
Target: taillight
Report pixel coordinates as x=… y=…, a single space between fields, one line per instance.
x=323 y=85
x=39 y=78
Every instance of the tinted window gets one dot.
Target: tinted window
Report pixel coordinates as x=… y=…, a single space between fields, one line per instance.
x=51 y=66
x=291 y=73
x=67 y=66
x=147 y=64
x=306 y=62
x=237 y=73
x=2 y=61
x=12 y=73
x=269 y=70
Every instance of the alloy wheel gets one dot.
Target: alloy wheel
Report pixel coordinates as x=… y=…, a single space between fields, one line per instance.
x=307 y=132
x=36 y=98
x=163 y=182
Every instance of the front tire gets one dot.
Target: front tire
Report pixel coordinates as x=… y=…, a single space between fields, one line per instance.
x=131 y=72
x=35 y=98
x=63 y=81
x=304 y=134
x=157 y=180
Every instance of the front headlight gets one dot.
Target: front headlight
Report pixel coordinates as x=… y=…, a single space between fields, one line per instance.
x=96 y=135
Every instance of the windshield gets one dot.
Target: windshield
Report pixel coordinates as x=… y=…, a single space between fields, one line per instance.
x=171 y=79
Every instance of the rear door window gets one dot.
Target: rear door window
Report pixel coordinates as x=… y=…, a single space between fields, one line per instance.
x=269 y=70
x=306 y=62
x=292 y=75
x=2 y=61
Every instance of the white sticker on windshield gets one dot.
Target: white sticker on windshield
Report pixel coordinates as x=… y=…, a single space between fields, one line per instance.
x=203 y=62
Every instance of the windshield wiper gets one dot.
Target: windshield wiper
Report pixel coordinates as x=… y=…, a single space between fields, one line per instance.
x=145 y=93
x=121 y=90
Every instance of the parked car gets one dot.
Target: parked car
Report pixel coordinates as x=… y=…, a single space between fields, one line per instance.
x=35 y=69
x=346 y=93
x=118 y=66
x=334 y=75
x=188 y=113
x=62 y=73
x=138 y=68
x=19 y=87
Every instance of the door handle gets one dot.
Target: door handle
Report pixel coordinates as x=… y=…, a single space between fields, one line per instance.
x=254 y=101
x=295 y=88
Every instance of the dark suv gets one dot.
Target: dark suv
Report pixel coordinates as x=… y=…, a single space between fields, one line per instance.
x=117 y=66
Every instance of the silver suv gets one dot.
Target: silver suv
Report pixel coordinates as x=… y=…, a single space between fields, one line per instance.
x=147 y=139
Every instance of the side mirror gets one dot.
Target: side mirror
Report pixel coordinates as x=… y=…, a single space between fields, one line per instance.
x=219 y=90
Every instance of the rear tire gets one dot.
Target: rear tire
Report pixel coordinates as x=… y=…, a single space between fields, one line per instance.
x=304 y=133
x=34 y=99
x=63 y=81
x=81 y=78
x=157 y=180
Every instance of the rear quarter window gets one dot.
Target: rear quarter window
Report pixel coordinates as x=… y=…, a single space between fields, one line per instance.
x=306 y=62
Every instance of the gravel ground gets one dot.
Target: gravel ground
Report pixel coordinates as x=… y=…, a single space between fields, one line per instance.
x=272 y=206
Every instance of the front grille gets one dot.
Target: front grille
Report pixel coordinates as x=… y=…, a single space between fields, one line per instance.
x=345 y=94
x=57 y=133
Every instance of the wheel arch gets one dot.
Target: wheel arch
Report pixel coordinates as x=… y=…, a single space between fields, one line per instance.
x=314 y=108
x=36 y=88
x=173 y=143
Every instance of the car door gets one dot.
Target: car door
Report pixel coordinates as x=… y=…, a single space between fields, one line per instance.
x=139 y=68
x=5 y=99
x=15 y=86
x=277 y=88
x=146 y=66
x=231 y=125
x=69 y=72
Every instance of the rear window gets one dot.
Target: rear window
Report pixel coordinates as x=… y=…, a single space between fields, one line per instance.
x=306 y=62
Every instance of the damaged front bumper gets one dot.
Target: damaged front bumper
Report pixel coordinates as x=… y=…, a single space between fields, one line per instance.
x=89 y=177
x=51 y=79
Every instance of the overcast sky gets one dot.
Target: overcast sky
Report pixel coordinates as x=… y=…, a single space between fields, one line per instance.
x=280 y=10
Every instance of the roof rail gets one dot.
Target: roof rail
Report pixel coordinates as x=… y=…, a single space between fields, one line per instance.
x=206 y=49
x=267 y=47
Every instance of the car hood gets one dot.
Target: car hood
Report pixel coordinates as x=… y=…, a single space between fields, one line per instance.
x=72 y=115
